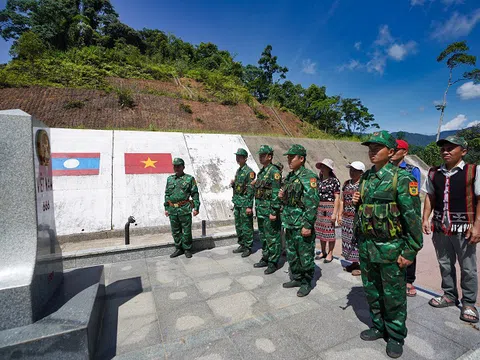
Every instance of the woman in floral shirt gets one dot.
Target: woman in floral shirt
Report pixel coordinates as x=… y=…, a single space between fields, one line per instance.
x=329 y=190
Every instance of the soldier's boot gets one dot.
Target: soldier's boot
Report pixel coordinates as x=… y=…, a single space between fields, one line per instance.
x=292 y=284
x=371 y=334
x=304 y=290
x=238 y=250
x=247 y=252
x=188 y=254
x=270 y=269
x=261 y=263
x=176 y=253
x=394 y=348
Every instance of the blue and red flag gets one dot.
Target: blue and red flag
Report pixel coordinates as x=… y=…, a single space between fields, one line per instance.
x=75 y=164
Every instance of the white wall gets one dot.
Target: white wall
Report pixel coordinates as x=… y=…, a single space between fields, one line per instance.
x=83 y=203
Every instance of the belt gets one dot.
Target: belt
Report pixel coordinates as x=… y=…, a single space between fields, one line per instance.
x=176 y=205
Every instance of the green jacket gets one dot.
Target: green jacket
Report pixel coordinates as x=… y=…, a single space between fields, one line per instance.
x=300 y=199
x=266 y=188
x=243 y=188
x=394 y=217
x=180 y=189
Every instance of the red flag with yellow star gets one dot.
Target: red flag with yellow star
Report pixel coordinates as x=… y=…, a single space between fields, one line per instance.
x=148 y=163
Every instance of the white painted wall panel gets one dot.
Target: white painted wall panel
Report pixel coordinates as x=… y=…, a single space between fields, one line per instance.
x=214 y=165
x=142 y=195
x=83 y=203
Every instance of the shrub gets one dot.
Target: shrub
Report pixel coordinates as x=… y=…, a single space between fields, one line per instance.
x=186 y=108
x=199 y=120
x=74 y=104
x=125 y=98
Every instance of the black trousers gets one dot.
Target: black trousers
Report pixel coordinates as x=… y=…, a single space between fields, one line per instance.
x=411 y=269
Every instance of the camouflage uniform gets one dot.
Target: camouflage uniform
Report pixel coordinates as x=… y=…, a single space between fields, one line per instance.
x=300 y=200
x=267 y=203
x=387 y=225
x=243 y=199
x=178 y=191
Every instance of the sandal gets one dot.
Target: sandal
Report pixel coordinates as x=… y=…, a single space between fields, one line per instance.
x=411 y=291
x=357 y=272
x=441 y=302
x=469 y=311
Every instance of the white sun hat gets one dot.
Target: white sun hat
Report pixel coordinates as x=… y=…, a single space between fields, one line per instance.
x=327 y=162
x=357 y=165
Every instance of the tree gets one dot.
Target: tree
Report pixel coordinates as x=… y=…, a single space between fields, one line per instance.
x=355 y=116
x=472 y=136
x=28 y=47
x=431 y=154
x=401 y=135
x=456 y=55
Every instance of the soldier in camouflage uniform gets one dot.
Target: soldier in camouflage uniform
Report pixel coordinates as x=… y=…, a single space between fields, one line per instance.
x=389 y=232
x=300 y=199
x=267 y=206
x=178 y=207
x=243 y=203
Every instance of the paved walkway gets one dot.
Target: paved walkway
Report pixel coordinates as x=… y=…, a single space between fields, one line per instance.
x=216 y=306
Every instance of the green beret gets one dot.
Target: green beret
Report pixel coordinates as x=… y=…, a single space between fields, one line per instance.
x=265 y=149
x=296 y=149
x=241 y=152
x=178 y=161
x=382 y=137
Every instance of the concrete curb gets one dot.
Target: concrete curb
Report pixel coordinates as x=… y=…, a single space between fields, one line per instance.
x=113 y=254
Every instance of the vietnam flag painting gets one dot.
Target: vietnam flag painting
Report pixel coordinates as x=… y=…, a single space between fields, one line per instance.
x=148 y=163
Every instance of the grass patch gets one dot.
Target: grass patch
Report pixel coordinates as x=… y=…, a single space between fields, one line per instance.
x=125 y=98
x=186 y=108
x=74 y=104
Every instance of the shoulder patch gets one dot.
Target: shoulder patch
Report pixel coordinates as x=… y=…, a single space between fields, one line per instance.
x=413 y=188
x=313 y=182
x=194 y=182
x=252 y=175
x=277 y=176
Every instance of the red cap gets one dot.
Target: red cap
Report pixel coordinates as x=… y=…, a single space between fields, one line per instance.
x=402 y=144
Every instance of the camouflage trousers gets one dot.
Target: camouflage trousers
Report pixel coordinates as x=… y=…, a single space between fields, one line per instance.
x=181 y=226
x=269 y=232
x=243 y=227
x=300 y=254
x=385 y=289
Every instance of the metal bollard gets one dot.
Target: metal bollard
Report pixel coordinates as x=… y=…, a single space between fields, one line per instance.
x=130 y=220
x=204 y=228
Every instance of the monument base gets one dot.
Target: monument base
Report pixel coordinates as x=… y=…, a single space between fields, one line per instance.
x=69 y=329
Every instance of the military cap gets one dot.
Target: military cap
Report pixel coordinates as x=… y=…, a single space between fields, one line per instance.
x=265 y=149
x=241 y=152
x=296 y=149
x=456 y=140
x=381 y=137
x=178 y=161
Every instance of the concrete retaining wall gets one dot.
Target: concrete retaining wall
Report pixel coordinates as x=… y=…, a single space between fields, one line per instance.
x=103 y=201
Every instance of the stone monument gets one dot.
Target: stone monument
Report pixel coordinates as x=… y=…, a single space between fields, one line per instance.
x=30 y=258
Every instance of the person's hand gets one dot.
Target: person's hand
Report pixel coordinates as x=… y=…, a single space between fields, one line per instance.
x=334 y=218
x=426 y=227
x=402 y=262
x=306 y=232
x=273 y=217
x=166 y=213
x=249 y=211
x=280 y=193
x=356 y=198
x=195 y=212
x=473 y=234
x=339 y=219
x=253 y=182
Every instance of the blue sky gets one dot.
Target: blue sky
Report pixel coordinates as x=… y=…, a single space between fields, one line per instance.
x=383 y=52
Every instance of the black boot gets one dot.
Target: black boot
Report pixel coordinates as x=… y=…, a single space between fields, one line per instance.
x=394 y=348
x=260 y=264
x=292 y=284
x=176 y=253
x=246 y=252
x=371 y=334
x=188 y=254
x=270 y=269
x=304 y=290
x=239 y=250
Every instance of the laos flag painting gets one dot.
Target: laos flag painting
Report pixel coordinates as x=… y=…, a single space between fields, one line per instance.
x=75 y=164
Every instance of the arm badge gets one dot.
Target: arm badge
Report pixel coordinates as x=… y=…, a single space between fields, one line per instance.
x=313 y=183
x=413 y=188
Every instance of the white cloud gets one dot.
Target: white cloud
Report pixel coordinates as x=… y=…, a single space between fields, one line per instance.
x=473 y=123
x=455 y=124
x=357 y=45
x=417 y=2
x=469 y=91
x=457 y=26
x=309 y=67
x=452 y=2
x=377 y=63
x=398 y=52
x=437 y=102
x=384 y=37
x=352 y=65
x=445 y=2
